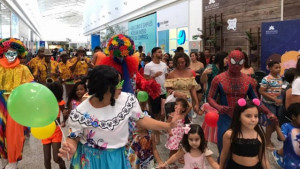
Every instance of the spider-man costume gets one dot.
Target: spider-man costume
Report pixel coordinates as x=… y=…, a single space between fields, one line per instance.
x=231 y=86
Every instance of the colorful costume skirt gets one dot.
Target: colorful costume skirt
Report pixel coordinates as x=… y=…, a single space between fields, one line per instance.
x=87 y=157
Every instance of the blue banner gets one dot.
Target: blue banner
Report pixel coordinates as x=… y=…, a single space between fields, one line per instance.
x=280 y=41
x=143 y=32
x=163 y=40
x=42 y=43
x=95 y=41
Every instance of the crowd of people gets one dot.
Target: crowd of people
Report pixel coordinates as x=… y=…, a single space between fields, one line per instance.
x=110 y=128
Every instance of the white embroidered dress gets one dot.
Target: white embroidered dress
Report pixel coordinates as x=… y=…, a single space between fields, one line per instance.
x=105 y=127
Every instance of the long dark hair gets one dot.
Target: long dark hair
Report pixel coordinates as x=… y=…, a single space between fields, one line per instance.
x=101 y=79
x=57 y=89
x=195 y=128
x=246 y=64
x=202 y=58
x=236 y=125
x=219 y=60
x=72 y=93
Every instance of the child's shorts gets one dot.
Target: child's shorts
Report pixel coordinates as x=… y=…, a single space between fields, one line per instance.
x=55 y=138
x=264 y=121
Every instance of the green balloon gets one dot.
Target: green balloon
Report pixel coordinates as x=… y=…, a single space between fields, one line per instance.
x=32 y=105
x=142 y=96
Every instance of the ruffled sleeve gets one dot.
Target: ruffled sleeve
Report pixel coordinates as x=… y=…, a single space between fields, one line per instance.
x=169 y=83
x=75 y=128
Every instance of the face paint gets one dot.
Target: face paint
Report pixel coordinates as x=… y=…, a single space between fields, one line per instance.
x=236 y=61
x=11 y=55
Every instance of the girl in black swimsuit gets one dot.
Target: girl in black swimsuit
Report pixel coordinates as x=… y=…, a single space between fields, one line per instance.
x=244 y=142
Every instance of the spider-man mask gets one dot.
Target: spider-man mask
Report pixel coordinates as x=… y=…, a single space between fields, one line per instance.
x=235 y=61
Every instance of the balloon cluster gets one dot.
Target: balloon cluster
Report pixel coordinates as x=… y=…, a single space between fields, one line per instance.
x=34 y=105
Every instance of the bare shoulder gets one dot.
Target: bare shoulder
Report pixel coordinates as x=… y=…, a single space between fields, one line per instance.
x=171 y=75
x=227 y=134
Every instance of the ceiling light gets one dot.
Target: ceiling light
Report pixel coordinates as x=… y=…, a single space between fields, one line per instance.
x=116 y=8
x=125 y=3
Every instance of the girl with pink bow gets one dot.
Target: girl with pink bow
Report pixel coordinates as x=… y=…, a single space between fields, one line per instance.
x=193 y=149
x=182 y=108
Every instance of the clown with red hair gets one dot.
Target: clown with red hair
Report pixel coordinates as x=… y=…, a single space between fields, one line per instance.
x=12 y=74
x=120 y=49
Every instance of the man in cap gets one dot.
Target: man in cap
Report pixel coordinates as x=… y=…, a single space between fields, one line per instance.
x=33 y=63
x=48 y=71
x=80 y=64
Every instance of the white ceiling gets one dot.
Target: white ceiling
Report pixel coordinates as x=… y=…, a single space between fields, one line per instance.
x=58 y=20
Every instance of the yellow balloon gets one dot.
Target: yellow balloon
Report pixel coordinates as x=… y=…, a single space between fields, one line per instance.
x=43 y=132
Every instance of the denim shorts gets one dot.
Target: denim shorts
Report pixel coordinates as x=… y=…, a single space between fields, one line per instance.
x=274 y=109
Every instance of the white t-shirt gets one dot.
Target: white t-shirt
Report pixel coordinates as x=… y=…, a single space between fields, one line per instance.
x=151 y=68
x=296 y=86
x=105 y=127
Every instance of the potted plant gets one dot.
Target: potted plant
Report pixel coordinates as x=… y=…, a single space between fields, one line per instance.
x=249 y=37
x=216 y=25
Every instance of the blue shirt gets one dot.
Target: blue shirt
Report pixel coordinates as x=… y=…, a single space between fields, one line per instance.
x=291 y=146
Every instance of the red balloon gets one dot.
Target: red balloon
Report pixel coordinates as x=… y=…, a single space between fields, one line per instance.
x=211 y=119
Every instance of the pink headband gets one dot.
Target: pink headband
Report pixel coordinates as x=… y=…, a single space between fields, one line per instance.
x=242 y=102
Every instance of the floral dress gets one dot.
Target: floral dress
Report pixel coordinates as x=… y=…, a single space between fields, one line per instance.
x=141 y=151
x=176 y=137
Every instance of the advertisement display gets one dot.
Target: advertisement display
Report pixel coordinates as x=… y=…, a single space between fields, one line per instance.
x=280 y=42
x=173 y=20
x=143 y=32
x=163 y=40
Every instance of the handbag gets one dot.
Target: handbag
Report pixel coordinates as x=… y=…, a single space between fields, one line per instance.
x=170 y=104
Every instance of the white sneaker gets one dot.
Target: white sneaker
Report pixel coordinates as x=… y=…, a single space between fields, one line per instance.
x=11 y=166
x=3 y=163
x=194 y=115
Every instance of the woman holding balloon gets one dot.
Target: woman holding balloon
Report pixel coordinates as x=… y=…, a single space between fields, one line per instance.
x=99 y=125
x=12 y=74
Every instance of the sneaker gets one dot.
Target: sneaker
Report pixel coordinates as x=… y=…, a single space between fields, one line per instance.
x=3 y=163
x=194 y=115
x=278 y=159
x=11 y=166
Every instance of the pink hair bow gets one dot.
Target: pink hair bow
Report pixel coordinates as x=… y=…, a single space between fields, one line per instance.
x=242 y=102
x=186 y=129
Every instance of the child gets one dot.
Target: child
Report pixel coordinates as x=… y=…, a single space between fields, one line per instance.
x=244 y=142
x=75 y=98
x=290 y=134
x=182 y=108
x=170 y=66
x=143 y=149
x=194 y=149
x=55 y=139
x=270 y=89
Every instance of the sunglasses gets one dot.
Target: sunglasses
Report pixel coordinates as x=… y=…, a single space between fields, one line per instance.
x=120 y=84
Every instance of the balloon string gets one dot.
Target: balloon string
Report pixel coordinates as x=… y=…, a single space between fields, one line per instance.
x=64 y=138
